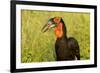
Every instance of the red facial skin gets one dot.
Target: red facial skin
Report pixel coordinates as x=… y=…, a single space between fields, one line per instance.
x=58 y=29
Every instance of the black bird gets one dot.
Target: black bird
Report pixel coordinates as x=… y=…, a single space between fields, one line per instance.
x=67 y=48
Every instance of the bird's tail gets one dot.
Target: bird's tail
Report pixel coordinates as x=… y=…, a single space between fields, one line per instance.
x=78 y=53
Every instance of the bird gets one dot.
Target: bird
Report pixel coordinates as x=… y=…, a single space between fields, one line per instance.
x=66 y=48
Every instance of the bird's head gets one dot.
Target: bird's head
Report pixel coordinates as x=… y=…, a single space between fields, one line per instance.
x=52 y=23
x=58 y=25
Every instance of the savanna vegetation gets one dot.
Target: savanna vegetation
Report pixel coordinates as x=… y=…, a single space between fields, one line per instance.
x=37 y=46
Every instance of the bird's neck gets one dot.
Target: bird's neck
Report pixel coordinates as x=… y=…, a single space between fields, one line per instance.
x=59 y=30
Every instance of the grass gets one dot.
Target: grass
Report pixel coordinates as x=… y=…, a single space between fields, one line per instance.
x=40 y=47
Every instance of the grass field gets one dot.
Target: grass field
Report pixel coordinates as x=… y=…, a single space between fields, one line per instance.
x=37 y=46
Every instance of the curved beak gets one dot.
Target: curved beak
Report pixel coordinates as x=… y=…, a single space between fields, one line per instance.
x=47 y=26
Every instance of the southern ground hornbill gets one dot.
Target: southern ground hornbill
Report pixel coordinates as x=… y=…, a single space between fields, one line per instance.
x=66 y=48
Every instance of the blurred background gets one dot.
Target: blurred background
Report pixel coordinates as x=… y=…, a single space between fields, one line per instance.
x=37 y=46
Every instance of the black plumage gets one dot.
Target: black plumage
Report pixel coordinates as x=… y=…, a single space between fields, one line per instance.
x=66 y=48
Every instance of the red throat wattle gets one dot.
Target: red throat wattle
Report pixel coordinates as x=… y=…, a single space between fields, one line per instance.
x=58 y=30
